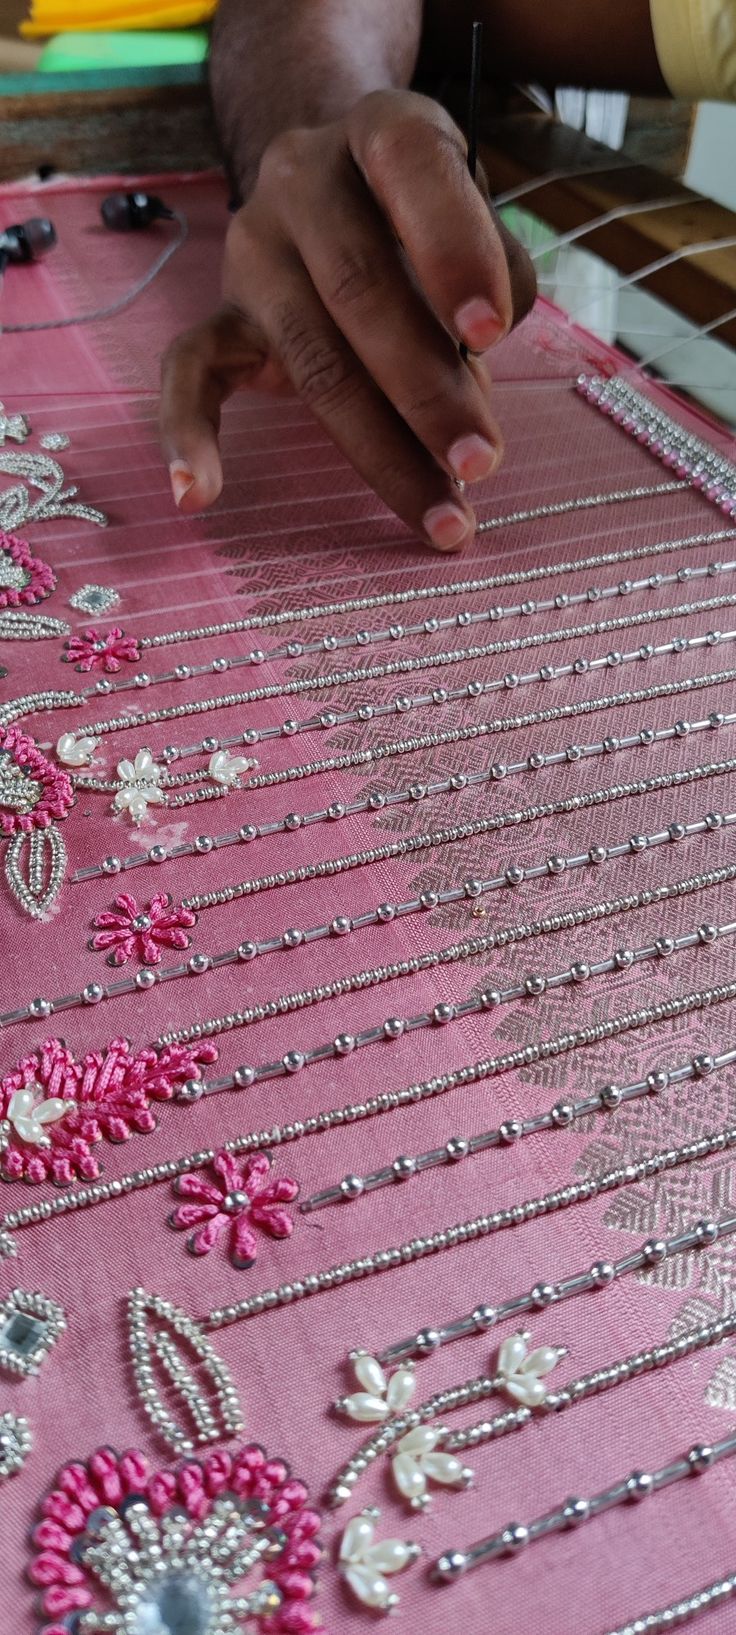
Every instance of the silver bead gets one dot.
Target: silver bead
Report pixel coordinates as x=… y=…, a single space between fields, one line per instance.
x=340 y=926
x=706 y=1233
x=157 y=854
x=657 y=1081
x=700 y=1458
x=639 y=1485
x=664 y=946
x=654 y=1251
x=623 y=959
x=576 y=1511
x=403 y=1168
x=677 y=831
x=456 y=1148
x=111 y=865
x=450 y=1566
x=542 y=1295
x=40 y=1008
x=514 y=874
x=473 y=888
x=393 y=1027
x=93 y=993
x=344 y=1043
x=602 y=1272
x=556 y=864
x=563 y=1114
x=244 y=1076
x=352 y=1186
x=598 y=854
x=204 y=843
x=385 y=912
x=515 y=1537
x=145 y=979
x=193 y=1090
x=292 y=937
x=247 y=950
x=292 y=821
x=248 y=831
x=707 y=932
x=610 y=1096
x=580 y=971
x=293 y=1060
x=427 y=1340
x=489 y=998
x=198 y=964
x=442 y=1014
x=703 y=1065
x=535 y=985
x=484 y=1317
x=638 y=843
x=510 y=1131
x=428 y=900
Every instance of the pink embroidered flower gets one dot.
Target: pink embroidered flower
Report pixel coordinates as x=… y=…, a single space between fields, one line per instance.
x=24 y=578
x=74 y=1105
x=32 y=791
x=92 y=650
x=240 y=1198
x=133 y=932
x=73 y=1516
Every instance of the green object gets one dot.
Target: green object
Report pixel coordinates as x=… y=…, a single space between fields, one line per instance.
x=141 y=48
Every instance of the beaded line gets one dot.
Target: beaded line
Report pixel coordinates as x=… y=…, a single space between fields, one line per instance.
x=604 y=1378
x=677 y=1613
x=482 y=729
x=398 y=667
x=342 y=925
x=638 y=1485
x=457 y=782
x=563 y=1044
x=427 y=839
x=511 y=1130
x=543 y=1294
x=692 y=459
x=457 y=952
x=424 y=593
x=395 y=633
x=446 y=1012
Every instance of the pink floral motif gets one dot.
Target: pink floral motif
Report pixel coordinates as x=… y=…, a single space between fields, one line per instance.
x=56 y=793
x=107 y=1479
x=92 y=650
x=240 y=1198
x=110 y=1094
x=138 y=932
x=40 y=578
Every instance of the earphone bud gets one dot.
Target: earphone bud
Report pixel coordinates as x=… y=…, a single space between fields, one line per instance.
x=122 y=213
x=129 y=212
x=26 y=241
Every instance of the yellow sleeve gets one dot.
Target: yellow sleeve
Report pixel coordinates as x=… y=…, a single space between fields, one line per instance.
x=696 y=47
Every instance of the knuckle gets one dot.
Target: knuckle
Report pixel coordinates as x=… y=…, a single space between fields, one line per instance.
x=284 y=158
x=415 y=133
x=354 y=279
x=319 y=370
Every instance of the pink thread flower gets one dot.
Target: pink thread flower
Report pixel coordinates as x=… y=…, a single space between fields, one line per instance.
x=36 y=791
x=107 y=1479
x=240 y=1198
x=74 y=1105
x=92 y=650
x=36 y=577
x=133 y=932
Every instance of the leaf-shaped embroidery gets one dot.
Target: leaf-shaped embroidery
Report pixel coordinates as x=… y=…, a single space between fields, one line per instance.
x=156 y=1328
x=31 y=627
x=35 y=865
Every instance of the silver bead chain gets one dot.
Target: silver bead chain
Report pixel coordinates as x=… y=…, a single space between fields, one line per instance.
x=447 y=1012
x=511 y=1130
x=573 y=1512
x=480 y=729
x=342 y=925
x=411 y=666
x=424 y=593
x=99 y=1192
x=456 y=783
x=456 y=953
x=248 y=832
x=677 y=1613
x=396 y=633
x=543 y=1294
x=602 y=1379
x=693 y=460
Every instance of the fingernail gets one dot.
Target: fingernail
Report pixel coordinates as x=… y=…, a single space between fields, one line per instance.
x=471 y=458
x=478 y=324
x=182 y=479
x=447 y=526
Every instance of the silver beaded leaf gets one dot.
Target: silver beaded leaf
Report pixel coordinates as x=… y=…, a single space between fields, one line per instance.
x=164 y=1342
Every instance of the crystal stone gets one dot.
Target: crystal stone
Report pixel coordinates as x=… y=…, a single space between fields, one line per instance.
x=21 y=1333
x=178 y=1604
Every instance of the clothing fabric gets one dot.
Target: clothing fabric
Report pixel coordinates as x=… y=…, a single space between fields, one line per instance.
x=696 y=46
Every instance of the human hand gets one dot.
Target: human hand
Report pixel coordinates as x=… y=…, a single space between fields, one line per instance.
x=363 y=257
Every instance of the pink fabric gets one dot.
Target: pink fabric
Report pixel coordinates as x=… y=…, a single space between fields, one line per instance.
x=296 y=525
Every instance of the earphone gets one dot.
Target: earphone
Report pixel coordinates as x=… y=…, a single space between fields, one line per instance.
x=121 y=213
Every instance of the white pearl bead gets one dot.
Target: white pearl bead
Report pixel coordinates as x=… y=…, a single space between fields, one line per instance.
x=409 y=1479
x=369 y=1374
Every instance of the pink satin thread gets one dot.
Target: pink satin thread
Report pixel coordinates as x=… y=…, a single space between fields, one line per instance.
x=119 y=932
x=101 y=650
x=41 y=578
x=263 y=1198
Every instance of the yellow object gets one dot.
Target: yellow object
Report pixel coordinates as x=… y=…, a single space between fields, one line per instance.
x=696 y=47
x=67 y=16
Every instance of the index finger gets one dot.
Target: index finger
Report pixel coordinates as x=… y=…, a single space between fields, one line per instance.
x=413 y=158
